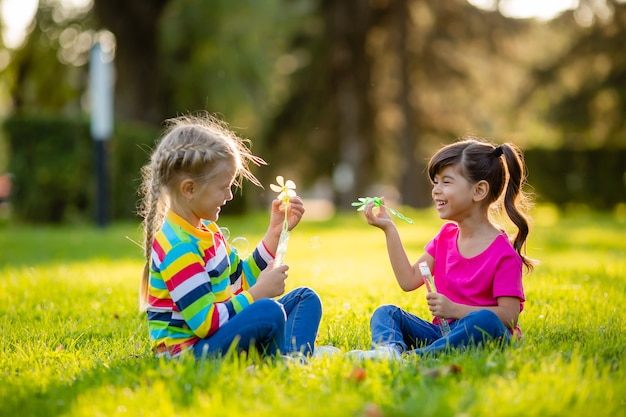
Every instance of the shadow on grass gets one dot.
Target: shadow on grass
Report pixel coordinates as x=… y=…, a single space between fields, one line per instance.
x=114 y=388
x=37 y=245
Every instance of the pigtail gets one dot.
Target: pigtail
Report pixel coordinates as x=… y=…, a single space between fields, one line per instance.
x=153 y=213
x=516 y=201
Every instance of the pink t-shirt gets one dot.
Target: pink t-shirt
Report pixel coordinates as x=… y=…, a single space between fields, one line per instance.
x=477 y=281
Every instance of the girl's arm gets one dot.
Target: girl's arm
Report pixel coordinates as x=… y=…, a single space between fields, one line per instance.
x=507 y=310
x=246 y=273
x=407 y=275
x=193 y=290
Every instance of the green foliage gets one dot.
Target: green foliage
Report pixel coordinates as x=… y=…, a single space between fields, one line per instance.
x=130 y=149
x=592 y=177
x=48 y=73
x=225 y=57
x=72 y=342
x=52 y=160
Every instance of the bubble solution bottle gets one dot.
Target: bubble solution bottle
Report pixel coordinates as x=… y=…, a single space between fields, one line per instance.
x=430 y=286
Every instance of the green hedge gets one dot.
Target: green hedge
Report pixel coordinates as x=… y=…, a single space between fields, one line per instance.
x=129 y=150
x=593 y=177
x=53 y=163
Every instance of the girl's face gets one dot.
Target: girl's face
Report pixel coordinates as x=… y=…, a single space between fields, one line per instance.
x=209 y=196
x=453 y=194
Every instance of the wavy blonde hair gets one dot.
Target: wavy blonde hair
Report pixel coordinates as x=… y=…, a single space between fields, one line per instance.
x=191 y=146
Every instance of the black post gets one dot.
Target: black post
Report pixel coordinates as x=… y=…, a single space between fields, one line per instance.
x=101 y=97
x=101 y=183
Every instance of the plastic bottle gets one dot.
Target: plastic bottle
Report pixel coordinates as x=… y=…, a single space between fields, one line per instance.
x=430 y=286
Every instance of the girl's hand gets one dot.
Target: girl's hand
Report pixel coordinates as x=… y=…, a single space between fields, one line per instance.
x=440 y=305
x=295 y=211
x=377 y=216
x=271 y=283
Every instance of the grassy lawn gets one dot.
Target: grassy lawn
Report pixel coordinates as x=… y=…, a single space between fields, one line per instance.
x=73 y=343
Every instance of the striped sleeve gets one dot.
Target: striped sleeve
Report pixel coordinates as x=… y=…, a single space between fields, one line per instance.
x=249 y=269
x=192 y=291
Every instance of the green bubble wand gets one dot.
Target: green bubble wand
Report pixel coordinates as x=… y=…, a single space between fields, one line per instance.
x=286 y=190
x=378 y=202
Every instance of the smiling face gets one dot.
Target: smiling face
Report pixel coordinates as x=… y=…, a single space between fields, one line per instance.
x=205 y=197
x=453 y=194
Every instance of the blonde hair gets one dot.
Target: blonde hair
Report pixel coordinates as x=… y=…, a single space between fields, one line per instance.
x=191 y=146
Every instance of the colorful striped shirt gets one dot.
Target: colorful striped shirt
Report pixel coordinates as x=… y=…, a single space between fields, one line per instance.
x=197 y=283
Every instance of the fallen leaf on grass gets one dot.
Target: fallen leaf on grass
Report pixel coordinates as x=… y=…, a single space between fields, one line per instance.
x=358 y=374
x=372 y=410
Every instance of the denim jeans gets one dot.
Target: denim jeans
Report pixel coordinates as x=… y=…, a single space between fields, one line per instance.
x=286 y=325
x=393 y=326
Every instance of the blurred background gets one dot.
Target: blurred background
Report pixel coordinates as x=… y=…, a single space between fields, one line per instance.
x=348 y=98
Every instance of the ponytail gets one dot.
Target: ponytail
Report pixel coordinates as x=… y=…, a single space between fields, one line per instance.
x=516 y=200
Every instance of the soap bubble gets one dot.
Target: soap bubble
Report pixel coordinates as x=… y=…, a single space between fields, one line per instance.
x=316 y=270
x=241 y=245
x=225 y=232
x=316 y=242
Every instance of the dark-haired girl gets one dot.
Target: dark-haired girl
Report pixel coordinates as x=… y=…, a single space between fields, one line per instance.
x=477 y=267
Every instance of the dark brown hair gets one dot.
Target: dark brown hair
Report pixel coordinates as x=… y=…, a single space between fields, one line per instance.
x=504 y=170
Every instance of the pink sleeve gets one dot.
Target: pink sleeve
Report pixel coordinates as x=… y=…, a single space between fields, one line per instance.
x=508 y=278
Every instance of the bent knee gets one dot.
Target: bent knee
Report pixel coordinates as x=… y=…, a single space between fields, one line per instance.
x=309 y=295
x=272 y=309
x=483 y=315
x=487 y=322
x=386 y=310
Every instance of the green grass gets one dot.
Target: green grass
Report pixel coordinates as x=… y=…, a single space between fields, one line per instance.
x=73 y=343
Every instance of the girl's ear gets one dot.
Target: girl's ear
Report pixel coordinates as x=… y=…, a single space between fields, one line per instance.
x=481 y=190
x=186 y=188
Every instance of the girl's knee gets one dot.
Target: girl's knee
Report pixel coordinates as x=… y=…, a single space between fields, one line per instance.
x=483 y=315
x=272 y=309
x=487 y=322
x=308 y=293
x=309 y=296
x=387 y=310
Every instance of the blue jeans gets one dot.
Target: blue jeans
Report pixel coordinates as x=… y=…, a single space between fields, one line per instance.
x=392 y=325
x=286 y=325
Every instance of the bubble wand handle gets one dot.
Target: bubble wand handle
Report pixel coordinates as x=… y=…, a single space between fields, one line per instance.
x=286 y=190
x=283 y=240
x=282 y=248
x=430 y=286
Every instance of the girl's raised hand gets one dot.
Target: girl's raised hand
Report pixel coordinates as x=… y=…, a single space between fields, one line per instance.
x=377 y=216
x=295 y=211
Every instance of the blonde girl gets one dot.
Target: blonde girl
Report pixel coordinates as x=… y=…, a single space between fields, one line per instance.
x=198 y=294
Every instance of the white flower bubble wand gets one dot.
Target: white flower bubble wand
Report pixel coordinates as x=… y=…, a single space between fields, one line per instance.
x=285 y=190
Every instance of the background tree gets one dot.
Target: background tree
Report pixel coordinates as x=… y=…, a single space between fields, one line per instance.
x=585 y=81
x=344 y=97
x=380 y=109
x=139 y=92
x=47 y=74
